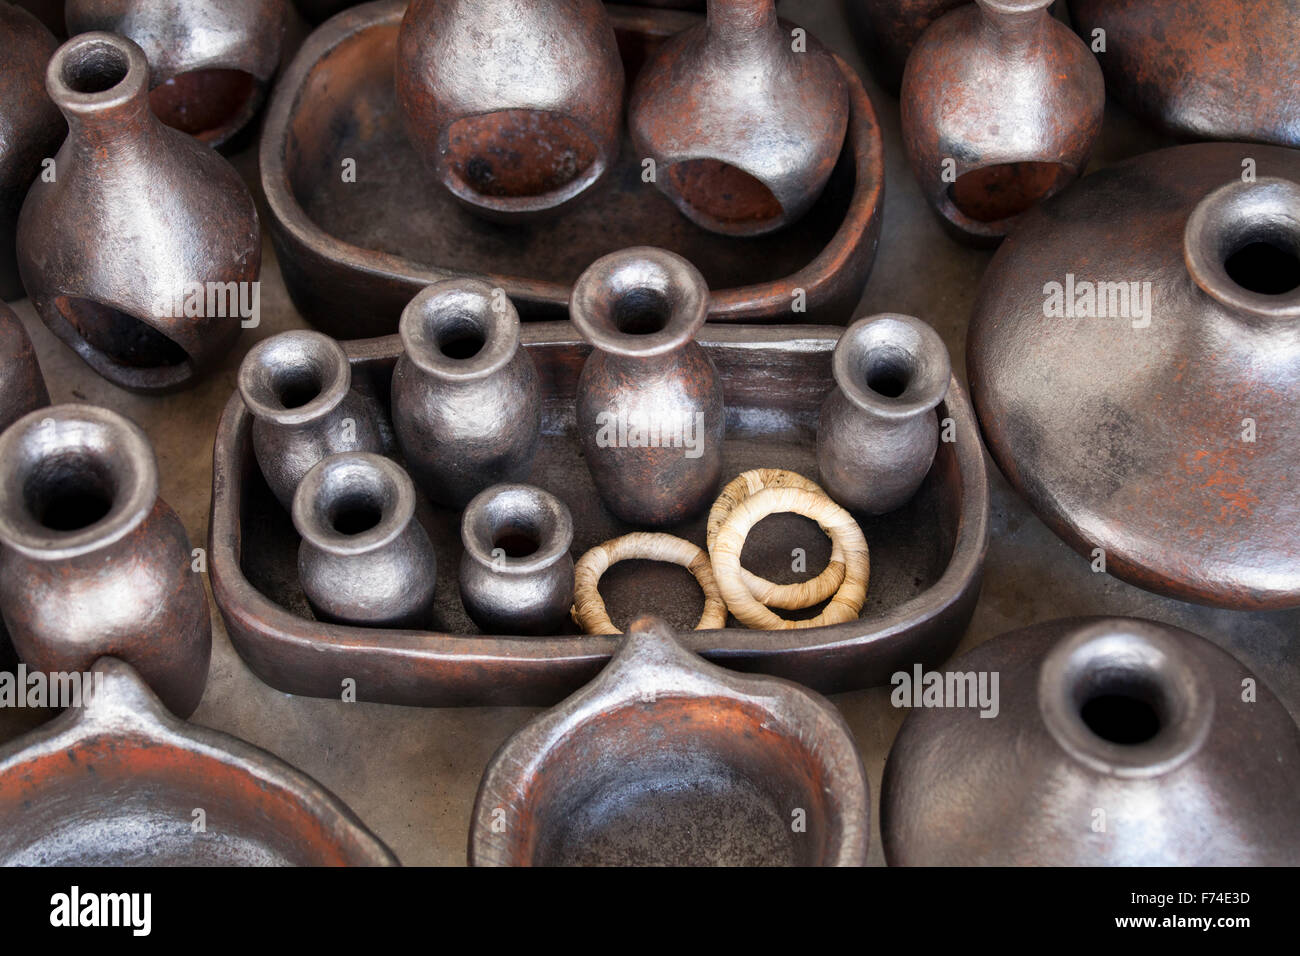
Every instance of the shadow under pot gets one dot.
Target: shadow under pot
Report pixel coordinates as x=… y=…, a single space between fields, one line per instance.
x=210 y=64
x=523 y=125
x=744 y=130
x=22 y=386
x=1001 y=105
x=878 y=431
x=650 y=413
x=467 y=406
x=298 y=387
x=1115 y=741
x=143 y=253
x=516 y=574
x=116 y=781
x=364 y=558
x=92 y=561
x=665 y=759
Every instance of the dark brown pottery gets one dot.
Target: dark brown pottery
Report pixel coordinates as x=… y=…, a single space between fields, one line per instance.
x=1001 y=105
x=119 y=781
x=925 y=574
x=22 y=387
x=1115 y=742
x=666 y=759
x=353 y=253
x=1134 y=354
x=143 y=253
x=890 y=28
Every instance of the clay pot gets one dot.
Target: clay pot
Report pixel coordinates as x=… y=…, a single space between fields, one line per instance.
x=744 y=131
x=22 y=387
x=1134 y=356
x=151 y=294
x=116 y=782
x=516 y=575
x=298 y=387
x=890 y=29
x=1117 y=741
x=878 y=432
x=520 y=125
x=364 y=558
x=210 y=64
x=92 y=561
x=467 y=406
x=649 y=405
x=1214 y=69
x=667 y=759
x=30 y=126
x=1001 y=105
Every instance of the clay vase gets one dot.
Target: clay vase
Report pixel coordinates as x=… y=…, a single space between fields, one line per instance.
x=890 y=28
x=878 y=431
x=30 y=126
x=649 y=411
x=22 y=387
x=210 y=64
x=1116 y=742
x=514 y=107
x=516 y=573
x=298 y=387
x=666 y=759
x=143 y=253
x=92 y=561
x=1001 y=105
x=743 y=129
x=364 y=558
x=467 y=408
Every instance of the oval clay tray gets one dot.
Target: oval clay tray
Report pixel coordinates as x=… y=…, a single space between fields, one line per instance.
x=926 y=558
x=354 y=253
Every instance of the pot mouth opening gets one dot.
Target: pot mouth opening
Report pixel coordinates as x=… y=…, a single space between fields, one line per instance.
x=96 y=71
x=639 y=302
x=891 y=365
x=723 y=198
x=996 y=194
x=353 y=503
x=460 y=329
x=208 y=104
x=294 y=377
x=123 y=347
x=516 y=528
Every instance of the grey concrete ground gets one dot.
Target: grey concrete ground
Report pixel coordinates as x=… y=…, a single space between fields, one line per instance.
x=411 y=774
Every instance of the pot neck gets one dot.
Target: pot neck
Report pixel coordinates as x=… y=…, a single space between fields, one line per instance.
x=741 y=22
x=100 y=82
x=1014 y=25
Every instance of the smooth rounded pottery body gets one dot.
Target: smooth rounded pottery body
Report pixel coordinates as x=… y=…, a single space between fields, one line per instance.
x=210 y=64
x=1214 y=69
x=878 y=431
x=22 y=387
x=467 y=406
x=30 y=126
x=143 y=253
x=519 y=125
x=891 y=29
x=1001 y=105
x=298 y=387
x=115 y=782
x=1134 y=358
x=516 y=574
x=649 y=407
x=364 y=558
x=92 y=561
x=1143 y=722
x=744 y=131
x=665 y=759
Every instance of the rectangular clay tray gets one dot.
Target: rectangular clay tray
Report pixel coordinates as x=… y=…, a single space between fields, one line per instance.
x=926 y=558
x=354 y=253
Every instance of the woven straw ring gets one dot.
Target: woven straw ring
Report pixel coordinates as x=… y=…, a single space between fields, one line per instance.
x=588 y=607
x=837 y=522
x=790 y=597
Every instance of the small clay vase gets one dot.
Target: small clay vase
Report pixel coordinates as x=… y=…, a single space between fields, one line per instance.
x=890 y=28
x=298 y=387
x=649 y=412
x=143 y=252
x=743 y=129
x=878 y=431
x=30 y=126
x=467 y=407
x=1001 y=105
x=22 y=387
x=516 y=574
x=515 y=107
x=1115 y=742
x=92 y=561
x=210 y=64
x=364 y=558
